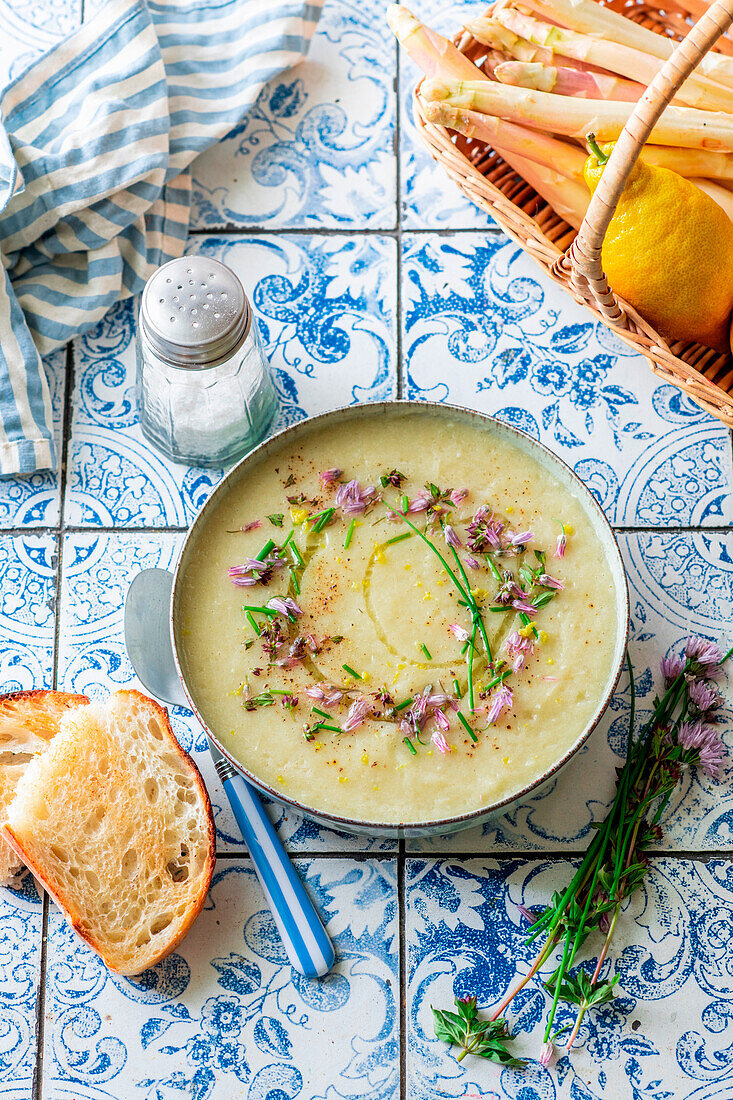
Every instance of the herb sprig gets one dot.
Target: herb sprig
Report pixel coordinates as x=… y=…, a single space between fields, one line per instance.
x=680 y=733
x=484 y=1038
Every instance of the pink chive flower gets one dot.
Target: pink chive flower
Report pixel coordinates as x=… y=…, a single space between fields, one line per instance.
x=671 y=668
x=253 y=525
x=501 y=700
x=551 y=582
x=547 y=1053
x=328 y=477
x=472 y=562
x=353 y=500
x=704 y=697
x=527 y=913
x=562 y=543
x=484 y=532
x=457 y=496
x=451 y=537
x=441 y=721
x=440 y=742
x=525 y=606
x=706 y=741
x=458 y=632
x=252 y=571
x=285 y=605
x=516 y=643
x=357 y=715
x=519 y=538
x=420 y=502
x=706 y=654
x=327 y=696
x=519 y=663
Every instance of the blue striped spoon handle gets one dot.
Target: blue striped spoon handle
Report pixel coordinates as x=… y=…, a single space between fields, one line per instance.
x=305 y=939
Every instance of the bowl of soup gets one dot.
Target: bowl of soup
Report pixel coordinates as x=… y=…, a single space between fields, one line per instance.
x=400 y=618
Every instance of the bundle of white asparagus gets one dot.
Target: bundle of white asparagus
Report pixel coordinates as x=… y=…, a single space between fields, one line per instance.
x=554 y=71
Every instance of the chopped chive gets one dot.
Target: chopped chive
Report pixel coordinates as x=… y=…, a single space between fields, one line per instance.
x=295 y=582
x=405 y=504
x=349 y=534
x=253 y=623
x=352 y=672
x=492 y=566
x=498 y=680
x=469 y=663
x=463 y=722
x=325 y=518
x=321 y=712
x=426 y=651
x=410 y=745
x=287 y=540
x=498 y=607
x=464 y=647
x=457 y=686
x=269 y=545
x=405 y=703
x=297 y=554
x=325 y=726
x=399 y=538
x=278 y=691
x=259 y=610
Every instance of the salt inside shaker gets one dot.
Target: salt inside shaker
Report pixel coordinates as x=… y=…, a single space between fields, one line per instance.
x=204 y=389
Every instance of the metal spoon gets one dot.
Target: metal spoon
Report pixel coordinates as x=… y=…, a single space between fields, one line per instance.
x=149 y=648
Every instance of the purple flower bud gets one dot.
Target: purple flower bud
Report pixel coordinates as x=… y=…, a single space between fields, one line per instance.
x=501 y=700
x=329 y=476
x=547 y=1053
x=458 y=631
x=440 y=742
x=441 y=721
x=451 y=537
x=551 y=582
x=353 y=500
x=671 y=668
x=706 y=741
x=285 y=605
x=561 y=545
x=327 y=696
x=523 y=605
x=472 y=562
x=457 y=496
x=357 y=715
x=527 y=913
x=420 y=502
x=705 y=655
x=520 y=538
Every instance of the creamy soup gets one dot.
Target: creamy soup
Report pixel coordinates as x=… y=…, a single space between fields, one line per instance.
x=337 y=644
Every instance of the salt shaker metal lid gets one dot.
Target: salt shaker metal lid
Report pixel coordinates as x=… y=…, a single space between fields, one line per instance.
x=194 y=312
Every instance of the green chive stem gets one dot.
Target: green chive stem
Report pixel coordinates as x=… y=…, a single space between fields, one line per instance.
x=352 y=672
x=464 y=722
x=269 y=545
x=297 y=554
x=426 y=651
x=405 y=703
x=287 y=540
x=321 y=712
x=295 y=582
x=405 y=503
x=410 y=745
x=399 y=538
x=252 y=622
x=259 y=610
x=349 y=534
x=457 y=687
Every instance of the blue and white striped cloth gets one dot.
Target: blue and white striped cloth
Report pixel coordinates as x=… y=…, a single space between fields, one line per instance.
x=95 y=140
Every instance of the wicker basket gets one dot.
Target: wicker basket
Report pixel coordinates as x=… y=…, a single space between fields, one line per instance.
x=571 y=259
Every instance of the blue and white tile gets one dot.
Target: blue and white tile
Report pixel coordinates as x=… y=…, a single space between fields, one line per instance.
x=483 y=327
x=27 y=617
x=428 y=198
x=226 y=1017
x=680 y=583
x=317 y=148
x=33 y=501
x=96 y=573
x=21 y=916
x=30 y=27
x=325 y=306
x=665 y=1034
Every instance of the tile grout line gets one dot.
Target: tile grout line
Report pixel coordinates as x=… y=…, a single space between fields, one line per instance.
x=339 y=231
x=398 y=226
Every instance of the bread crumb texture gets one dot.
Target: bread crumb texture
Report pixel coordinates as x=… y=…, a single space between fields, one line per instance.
x=115 y=821
x=29 y=720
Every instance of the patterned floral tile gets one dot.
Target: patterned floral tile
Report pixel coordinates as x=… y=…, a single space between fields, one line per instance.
x=317 y=148
x=664 y=1034
x=326 y=310
x=428 y=198
x=20 y=963
x=34 y=501
x=30 y=27
x=97 y=571
x=225 y=1017
x=27 y=620
x=679 y=583
x=484 y=328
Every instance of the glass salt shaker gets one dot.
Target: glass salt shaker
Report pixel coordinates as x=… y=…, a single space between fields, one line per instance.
x=204 y=389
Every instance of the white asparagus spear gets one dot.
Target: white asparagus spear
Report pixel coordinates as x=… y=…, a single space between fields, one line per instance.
x=564 y=81
x=697 y=91
x=683 y=126
x=721 y=195
x=591 y=18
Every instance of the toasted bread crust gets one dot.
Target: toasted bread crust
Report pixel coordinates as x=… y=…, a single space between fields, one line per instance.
x=64 y=902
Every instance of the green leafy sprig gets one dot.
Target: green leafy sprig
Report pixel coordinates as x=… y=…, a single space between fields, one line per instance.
x=464 y=1029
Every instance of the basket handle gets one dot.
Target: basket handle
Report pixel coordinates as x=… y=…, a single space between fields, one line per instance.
x=583 y=260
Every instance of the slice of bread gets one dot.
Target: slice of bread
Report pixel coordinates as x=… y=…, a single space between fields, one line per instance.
x=114 y=820
x=28 y=721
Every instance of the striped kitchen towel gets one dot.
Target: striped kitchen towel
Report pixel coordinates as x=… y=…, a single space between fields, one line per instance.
x=95 y=140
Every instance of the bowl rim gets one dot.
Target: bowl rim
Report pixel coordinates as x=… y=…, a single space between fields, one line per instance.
x=454 y=822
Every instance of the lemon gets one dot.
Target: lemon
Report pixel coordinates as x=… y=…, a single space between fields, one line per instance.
x=669 y=252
